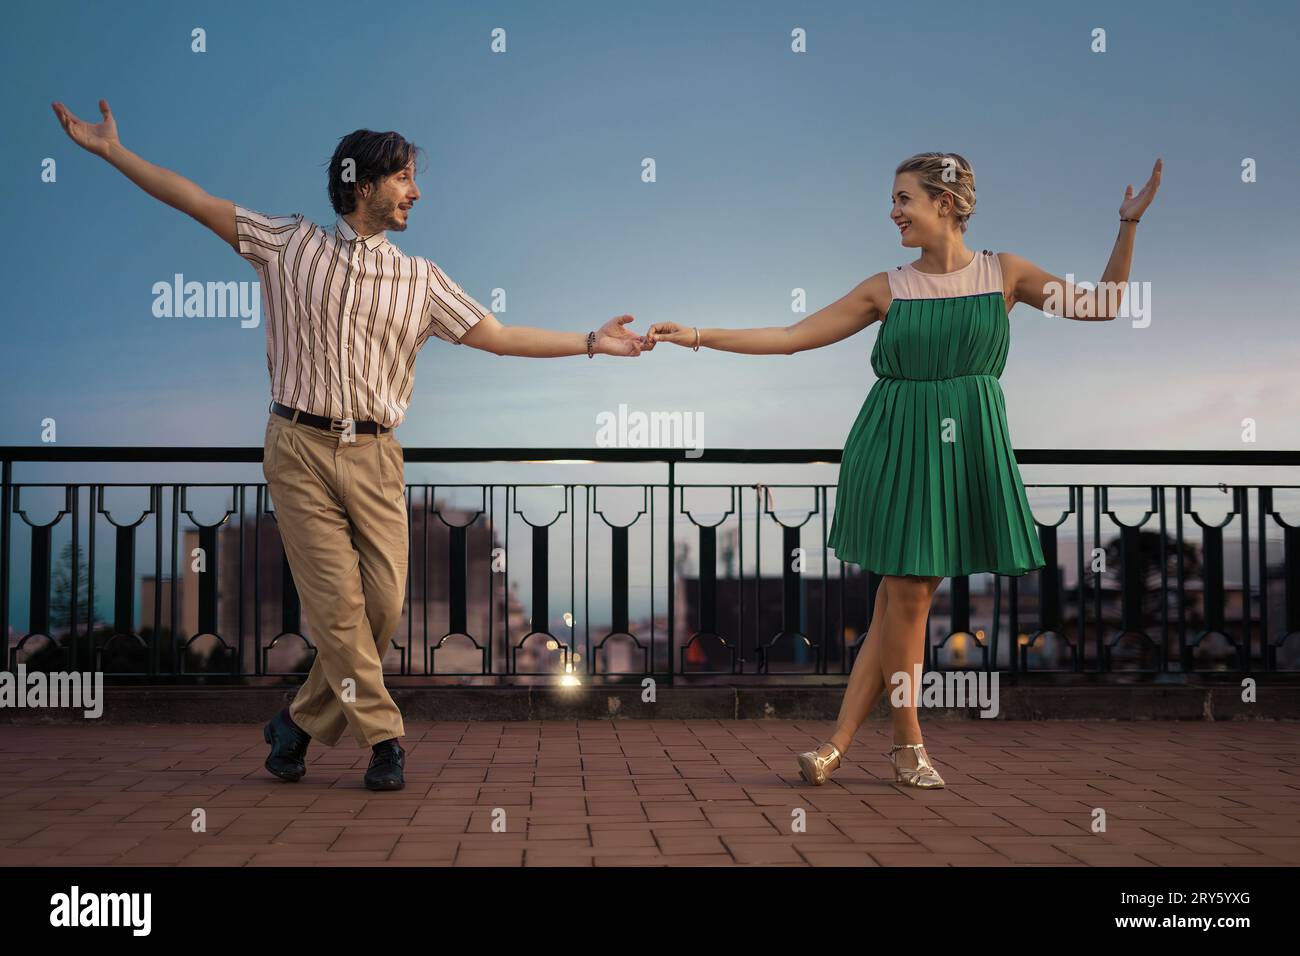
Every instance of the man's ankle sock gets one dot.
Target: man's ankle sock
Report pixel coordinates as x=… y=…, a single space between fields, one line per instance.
x=284 y=715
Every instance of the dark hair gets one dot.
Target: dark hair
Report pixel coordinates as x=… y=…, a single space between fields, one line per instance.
x=376 y=155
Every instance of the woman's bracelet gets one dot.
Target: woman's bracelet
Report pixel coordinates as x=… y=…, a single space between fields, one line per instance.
x=591 y=344
x=1122 y=219
x=697 y=339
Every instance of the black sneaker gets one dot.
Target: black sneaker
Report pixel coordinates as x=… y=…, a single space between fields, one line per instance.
x=385 y=770
x=288 y=748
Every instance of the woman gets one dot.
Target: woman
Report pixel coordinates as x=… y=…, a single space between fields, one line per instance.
x=928 y=485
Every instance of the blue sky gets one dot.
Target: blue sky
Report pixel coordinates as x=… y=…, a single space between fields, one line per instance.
x=773 y=173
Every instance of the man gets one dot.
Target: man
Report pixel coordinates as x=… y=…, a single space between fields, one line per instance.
x=345 y=313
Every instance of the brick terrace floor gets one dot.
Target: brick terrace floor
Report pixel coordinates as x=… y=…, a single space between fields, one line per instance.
x=678 y=793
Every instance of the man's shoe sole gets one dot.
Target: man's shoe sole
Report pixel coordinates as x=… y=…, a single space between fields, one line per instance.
x=288 y=775
x=386 y=785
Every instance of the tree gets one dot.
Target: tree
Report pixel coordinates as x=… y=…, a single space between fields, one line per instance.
x=62 y=590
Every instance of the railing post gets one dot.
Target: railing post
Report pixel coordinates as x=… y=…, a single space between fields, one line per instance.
x=1262 y=498
x=672 y=566
x=1098 y=580
x=6 y=479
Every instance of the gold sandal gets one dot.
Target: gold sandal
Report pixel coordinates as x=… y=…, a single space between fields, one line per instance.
x=922 y=775
x=815 y=768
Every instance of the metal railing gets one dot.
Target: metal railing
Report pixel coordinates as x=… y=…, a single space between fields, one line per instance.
x=1150 y=598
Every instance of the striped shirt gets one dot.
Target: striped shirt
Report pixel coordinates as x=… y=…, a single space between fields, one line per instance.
x=345 y=315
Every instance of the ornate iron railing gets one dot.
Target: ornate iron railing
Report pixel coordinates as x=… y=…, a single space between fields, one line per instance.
x=739 y=589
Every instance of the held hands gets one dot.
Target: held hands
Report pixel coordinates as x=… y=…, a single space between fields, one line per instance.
x=614 y=339
x=98 y=139
x=1134 y=206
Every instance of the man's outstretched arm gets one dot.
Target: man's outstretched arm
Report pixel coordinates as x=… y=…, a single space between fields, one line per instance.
x=453 y=315
x=613 y=338
x=173 y=189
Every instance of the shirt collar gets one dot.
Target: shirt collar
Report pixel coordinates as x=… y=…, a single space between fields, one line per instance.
x=374 y=241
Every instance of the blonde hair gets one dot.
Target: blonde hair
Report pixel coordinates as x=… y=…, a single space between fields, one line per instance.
x=945 y=173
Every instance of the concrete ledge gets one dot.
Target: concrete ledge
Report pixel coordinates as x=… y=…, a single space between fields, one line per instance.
x=185 y=705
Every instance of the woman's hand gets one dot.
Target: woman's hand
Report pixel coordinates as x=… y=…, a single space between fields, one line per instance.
x=1134 y=206
x=98 y=139
x=670 y=332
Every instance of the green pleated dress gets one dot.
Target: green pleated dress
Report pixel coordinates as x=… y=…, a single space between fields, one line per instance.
x=928 y=483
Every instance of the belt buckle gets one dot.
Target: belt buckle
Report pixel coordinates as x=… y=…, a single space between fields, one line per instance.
x=344 y=428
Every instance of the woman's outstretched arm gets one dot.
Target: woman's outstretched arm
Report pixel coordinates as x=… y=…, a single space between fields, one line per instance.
x=850 y=314
x=1028 y=283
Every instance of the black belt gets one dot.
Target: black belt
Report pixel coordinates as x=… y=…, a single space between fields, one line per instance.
x=328 y=424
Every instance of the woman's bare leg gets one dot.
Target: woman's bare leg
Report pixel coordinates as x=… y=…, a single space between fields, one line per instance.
x=903 y=650
x=866 y=680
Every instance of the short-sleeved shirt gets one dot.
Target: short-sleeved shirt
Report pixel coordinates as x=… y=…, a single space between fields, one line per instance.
x=345 y=314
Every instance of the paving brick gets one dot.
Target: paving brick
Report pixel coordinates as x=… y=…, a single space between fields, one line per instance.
x=432 y=854
x=558 y=831
x=689 y=843
x=836 y=857
x=622 y=838
x=1028 y=852
x=504 y=857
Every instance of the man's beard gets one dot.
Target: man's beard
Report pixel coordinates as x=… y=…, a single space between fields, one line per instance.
x=385 y=215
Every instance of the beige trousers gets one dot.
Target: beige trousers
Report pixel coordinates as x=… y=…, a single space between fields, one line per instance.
x=341 y=510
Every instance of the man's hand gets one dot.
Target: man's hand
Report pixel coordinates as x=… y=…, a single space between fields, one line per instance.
x=613 y=339
x=99 y=139
x=162 y=184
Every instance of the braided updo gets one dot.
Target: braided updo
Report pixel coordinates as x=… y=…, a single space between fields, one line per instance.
x=959 y=181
